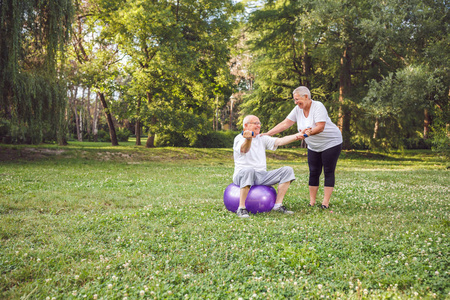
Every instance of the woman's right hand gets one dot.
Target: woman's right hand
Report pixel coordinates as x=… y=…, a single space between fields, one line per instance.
x=306 y=131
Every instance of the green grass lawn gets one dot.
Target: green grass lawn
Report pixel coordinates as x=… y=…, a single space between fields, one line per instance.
x=98 y=222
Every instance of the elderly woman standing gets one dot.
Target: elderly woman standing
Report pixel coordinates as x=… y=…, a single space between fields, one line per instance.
x=323 y=137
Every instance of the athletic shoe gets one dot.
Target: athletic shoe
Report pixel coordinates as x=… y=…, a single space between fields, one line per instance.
x=242 y=213
x=283 y=209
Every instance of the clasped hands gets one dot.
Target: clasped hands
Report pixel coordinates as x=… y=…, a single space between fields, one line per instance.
x=306 y=131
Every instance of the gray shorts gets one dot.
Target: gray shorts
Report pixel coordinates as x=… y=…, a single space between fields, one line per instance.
x=249 y=177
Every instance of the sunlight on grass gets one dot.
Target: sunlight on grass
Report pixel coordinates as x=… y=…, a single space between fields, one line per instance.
x=151 y=223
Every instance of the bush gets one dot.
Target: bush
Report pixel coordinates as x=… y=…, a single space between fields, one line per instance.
x=216 y=139
x=123 y=134
x=212 y=139
x=358 y=142
x=172 y=139
x=103 y=136
x=5 y=137
x=416 y=143
x=11 y=133
x=441 y=140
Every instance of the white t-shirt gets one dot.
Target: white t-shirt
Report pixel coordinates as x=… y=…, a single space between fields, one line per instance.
x=256 y=157
x=331 y=135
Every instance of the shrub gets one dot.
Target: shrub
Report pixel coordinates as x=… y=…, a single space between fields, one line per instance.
x=123 y=134
x=11 y=133
x=103 y=136
x=212 y=139
x=416 y=143
x=5 y=137
x=171 y=139
x=441 y=140
x=216 y=139
x=358 y=142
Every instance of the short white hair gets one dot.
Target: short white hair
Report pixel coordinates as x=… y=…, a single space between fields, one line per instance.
x=302 y=91
x=247 y=119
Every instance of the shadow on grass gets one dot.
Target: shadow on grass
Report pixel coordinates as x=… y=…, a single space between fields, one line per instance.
x=129 y=151
x=366 y=155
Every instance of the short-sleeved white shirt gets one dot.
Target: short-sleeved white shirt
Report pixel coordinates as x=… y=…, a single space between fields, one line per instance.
x=256 y=157
x=331 y=135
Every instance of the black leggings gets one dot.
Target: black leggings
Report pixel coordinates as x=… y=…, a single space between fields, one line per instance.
x=326 y=159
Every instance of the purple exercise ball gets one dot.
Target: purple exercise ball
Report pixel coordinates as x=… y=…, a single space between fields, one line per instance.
x=261 y=198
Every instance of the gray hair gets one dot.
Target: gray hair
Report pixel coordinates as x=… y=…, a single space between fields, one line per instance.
x=246 y=119
x=301 y=91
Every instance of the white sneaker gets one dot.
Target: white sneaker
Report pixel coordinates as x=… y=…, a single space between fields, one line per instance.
x=283 y=209
x=242 y=213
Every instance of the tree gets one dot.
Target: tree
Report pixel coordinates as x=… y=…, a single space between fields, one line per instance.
x=313 y=43
x=33 y=36
x=177 y=55
x=412 y=41
x=281 y=59
x=96 y=60
x=339 y=56
x=344 y=50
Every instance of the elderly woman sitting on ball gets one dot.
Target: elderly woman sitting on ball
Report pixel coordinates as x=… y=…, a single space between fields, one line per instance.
x=323 y=137
x=249 y=153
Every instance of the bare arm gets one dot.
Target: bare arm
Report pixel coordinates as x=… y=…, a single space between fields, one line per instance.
x=282 y=126
x=289 y=139
x=320 y=126
x=245 y=147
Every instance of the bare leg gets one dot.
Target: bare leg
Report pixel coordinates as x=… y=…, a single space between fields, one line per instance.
x=282 y=189
x=312 y=194
x=328 y=190
x=243 y=195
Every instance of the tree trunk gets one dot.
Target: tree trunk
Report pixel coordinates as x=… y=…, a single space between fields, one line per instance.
x=150 y=141
x=344 y=85
x=375 y=128
x=88 y=108
x=112 y=130
x=80 y=132
x=95 y=119
x=231 y=112
x=306 y=66
x=77 y=123
x=80 y=118
x=63 y=128
x=426 y=125
x=137 y=129
x=73 y=101
x=216 y=114
x=151 y=137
